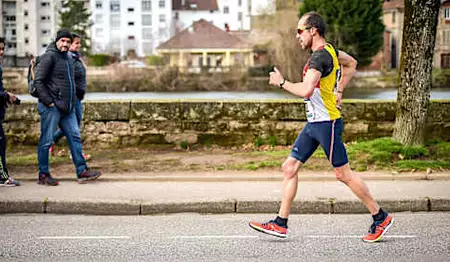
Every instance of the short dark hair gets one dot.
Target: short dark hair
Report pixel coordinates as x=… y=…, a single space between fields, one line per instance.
x=75 y=35
x=313 y=19
x=2 y=40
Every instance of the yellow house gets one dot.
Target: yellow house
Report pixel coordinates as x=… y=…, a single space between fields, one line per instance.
x=203 y=45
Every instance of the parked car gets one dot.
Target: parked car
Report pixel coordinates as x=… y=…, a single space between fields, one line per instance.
x=133 y=64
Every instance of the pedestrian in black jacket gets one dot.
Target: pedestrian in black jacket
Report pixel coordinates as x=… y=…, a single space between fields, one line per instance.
x=5 y=99
x=80 y=83
x=56 y=87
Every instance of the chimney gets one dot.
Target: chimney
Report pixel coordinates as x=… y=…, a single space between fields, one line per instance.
x=227 y=28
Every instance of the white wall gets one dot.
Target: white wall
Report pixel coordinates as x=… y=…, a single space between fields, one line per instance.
x=219 y=17
x=108 y=39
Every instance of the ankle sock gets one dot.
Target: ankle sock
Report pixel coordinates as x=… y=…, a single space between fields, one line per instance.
x=380 y=216
x=282 y=222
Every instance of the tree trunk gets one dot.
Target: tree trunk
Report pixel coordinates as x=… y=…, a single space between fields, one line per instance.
x=419 y=35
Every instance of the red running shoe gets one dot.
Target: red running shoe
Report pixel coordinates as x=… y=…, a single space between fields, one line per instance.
x=270 y=228
x=378 y=230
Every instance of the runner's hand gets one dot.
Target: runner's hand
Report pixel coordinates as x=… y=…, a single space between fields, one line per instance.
x=338 y=100
x=275 y=77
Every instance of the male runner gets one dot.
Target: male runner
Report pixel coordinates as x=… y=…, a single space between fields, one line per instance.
x=322 y=89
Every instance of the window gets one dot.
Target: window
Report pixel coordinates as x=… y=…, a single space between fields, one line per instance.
x=240 y=2
x=25 y=13
x=27 y=40
x=44 y=32
x=131 y=23
x=25 y=26
x=445 y=37
x=447 y=13
x=162 y=32
x=44 y=45
x=10 y=18
x=98 y=18
x=146 y=5
x=45 y=4
x=146 y=19
x=45 y=18
x=240 y=16
x=130 y=10
x=162 y=3
x=99 y=31
x=393 y=17
x=445 y=60
x=162 y=18
x=98 y=4
x=131 y=37
x=115 y=21
x=115 y=6
x=146 y=33
x=226 y=10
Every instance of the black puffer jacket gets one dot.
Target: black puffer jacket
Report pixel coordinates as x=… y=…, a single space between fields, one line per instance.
x=80 y=75
x=54 y=79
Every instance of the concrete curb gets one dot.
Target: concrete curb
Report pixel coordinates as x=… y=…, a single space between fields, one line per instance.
x=321 y=206
x=241 y=178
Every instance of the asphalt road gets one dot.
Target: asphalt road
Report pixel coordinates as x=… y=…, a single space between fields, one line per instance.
x=193 y=237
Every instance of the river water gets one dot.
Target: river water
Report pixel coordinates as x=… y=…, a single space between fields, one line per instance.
x=354 y=93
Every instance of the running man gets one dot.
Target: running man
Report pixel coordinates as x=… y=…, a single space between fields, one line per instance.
x=322 y=88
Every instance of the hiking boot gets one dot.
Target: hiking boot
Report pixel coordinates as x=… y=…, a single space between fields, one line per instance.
x=89 y=175
x=10 y=182
x=270 y=228
x=378 y=229
x=47 y=179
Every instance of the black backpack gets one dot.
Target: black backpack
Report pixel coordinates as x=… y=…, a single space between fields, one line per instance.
x=31 y=66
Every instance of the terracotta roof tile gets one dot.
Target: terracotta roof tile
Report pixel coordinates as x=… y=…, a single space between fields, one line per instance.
x=203 y=35
x=393 y=4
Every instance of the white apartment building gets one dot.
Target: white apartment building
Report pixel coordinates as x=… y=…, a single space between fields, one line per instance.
x=123 y=25
x=119 y=25
x=28 y=25
x=226 y=14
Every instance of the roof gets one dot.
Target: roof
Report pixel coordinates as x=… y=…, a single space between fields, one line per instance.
x=393 y=4
x=195 y=5
x=203 y=35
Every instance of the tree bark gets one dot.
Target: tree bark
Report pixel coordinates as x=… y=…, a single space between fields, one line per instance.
x=419 y=35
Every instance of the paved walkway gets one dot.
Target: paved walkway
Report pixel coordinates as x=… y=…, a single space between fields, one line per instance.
x=222 y=192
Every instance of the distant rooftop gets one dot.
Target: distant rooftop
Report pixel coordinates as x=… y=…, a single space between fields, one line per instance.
x=195 y=5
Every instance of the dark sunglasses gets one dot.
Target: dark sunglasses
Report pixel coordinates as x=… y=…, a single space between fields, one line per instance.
x=301 y=29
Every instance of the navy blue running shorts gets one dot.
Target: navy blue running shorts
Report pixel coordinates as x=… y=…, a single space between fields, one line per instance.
x=328 y=135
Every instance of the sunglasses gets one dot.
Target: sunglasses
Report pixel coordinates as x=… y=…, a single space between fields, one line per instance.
x=301 y=29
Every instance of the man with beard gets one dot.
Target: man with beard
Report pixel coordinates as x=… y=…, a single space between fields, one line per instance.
x=56 y=90
x=322 y=89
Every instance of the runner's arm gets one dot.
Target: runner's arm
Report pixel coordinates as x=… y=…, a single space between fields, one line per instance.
x=305 y=88
x=348 y=64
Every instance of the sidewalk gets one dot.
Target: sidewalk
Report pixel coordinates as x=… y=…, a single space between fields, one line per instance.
x=222 y=192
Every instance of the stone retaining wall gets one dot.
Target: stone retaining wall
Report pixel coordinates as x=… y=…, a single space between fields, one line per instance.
x=119 y=123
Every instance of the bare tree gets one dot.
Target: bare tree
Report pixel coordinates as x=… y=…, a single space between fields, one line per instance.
x=279 y=30
x=419 y=35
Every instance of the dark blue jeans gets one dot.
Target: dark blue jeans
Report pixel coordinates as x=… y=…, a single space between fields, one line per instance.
x=78 y=113
x=3 y=170
x=51 y=118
